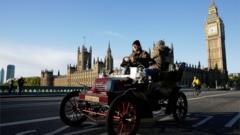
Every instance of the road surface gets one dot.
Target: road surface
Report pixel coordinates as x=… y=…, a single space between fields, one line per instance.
x=213 y=112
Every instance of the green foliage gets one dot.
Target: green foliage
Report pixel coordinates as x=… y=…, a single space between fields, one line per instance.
x=204 y=86
x=234 y=80
x=32 y=81
x=7 y=84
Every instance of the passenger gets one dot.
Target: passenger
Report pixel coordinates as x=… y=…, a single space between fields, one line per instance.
x=161 y=57
x=138 y=56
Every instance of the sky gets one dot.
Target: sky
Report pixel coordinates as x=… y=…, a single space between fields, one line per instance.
x=45 y=34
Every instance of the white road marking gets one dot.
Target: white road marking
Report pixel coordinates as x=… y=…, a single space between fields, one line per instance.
x=26 y=132
x=229 y=124
x=37 y=120
x=28 y=105
x=9 y=100
x=107 y=134
x=104 y=133
x=90 y=123
x=203 y=121
x=57 y=131
x=83 y=131
x=233 y=121
x=27 y=121
x=166 y=118
x=212 y=96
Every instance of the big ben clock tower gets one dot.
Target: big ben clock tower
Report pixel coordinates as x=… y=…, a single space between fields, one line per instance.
x=215 y=38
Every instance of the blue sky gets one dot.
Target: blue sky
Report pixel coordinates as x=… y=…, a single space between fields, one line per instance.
x=39 y=34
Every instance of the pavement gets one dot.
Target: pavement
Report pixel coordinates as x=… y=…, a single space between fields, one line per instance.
x=31 y=95
x=213 y=112
x=16 y=95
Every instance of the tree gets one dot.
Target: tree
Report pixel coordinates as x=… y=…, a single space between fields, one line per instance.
x=32 y=81
x=234 y=81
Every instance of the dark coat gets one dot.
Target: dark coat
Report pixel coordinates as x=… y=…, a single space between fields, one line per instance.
x=141 y=58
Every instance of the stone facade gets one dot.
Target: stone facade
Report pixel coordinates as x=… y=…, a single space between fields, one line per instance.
x=210 y=77
x=215 y=40
x=84 y=73
x=214 y=75
x=60 y=80
x=47 y=78
x=109 y=60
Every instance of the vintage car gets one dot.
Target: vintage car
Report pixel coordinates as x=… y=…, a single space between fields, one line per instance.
x=122 y=100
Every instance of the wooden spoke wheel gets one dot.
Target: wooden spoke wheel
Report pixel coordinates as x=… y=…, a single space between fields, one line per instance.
x=71 y=110
x=180 y=108
x=123 y=117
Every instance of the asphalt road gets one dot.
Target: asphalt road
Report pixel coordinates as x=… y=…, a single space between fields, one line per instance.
x=213 y=112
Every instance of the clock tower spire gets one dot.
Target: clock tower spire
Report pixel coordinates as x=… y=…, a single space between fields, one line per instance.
x=215 y=40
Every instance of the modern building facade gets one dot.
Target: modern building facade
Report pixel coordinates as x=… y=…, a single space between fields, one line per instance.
x=2 y=73
x=10 y=72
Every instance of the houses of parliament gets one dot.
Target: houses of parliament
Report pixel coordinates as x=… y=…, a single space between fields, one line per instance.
x=83 y=73
x=215 y=74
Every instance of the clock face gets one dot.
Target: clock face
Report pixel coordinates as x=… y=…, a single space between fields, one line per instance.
x=212 y=29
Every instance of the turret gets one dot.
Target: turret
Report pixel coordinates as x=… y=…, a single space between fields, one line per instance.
x=94 y=61
x=47 y=78
x=199 y=65
x=90 y=58
x=108 y=61
x=84 y=58
x=149 y=51
x=172 y=54
x=58 y=73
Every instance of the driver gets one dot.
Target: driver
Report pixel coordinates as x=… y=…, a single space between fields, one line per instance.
x=138 y=56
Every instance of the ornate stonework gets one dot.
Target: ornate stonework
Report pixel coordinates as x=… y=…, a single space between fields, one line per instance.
x=215 y=75
x=84 y=73
x=215 y=40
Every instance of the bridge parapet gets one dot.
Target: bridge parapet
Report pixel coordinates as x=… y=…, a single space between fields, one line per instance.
x=28 y=90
